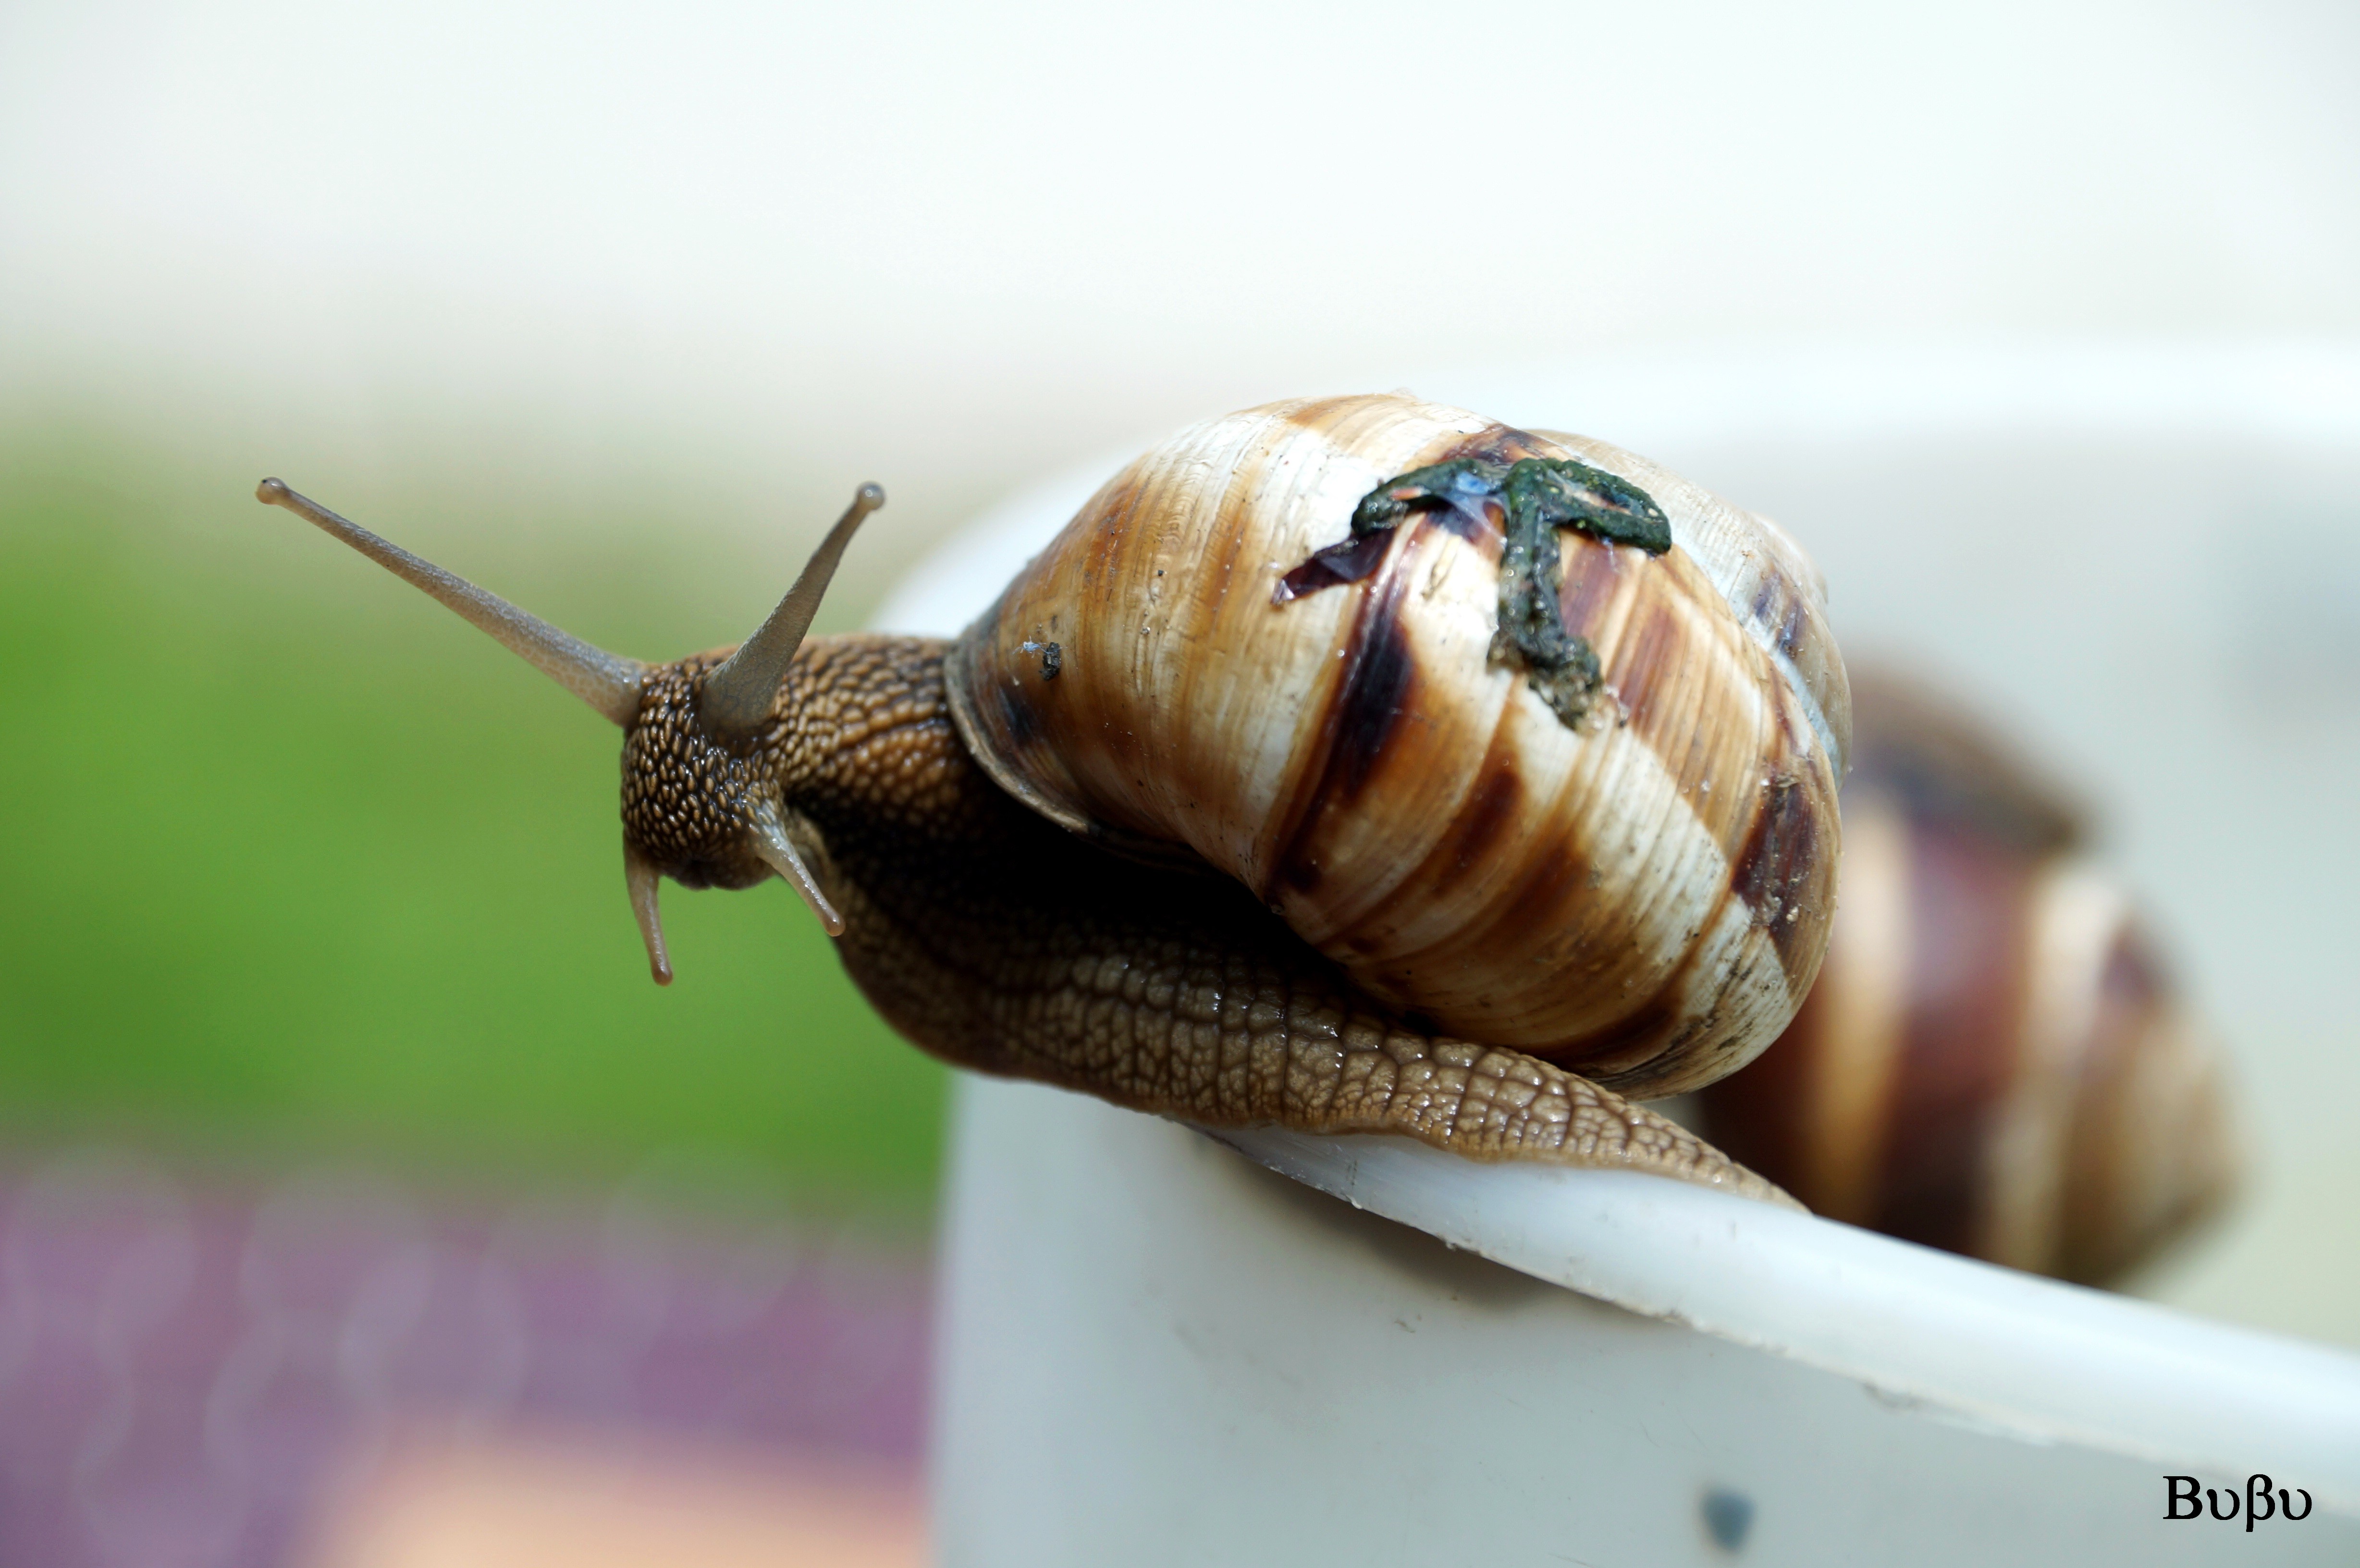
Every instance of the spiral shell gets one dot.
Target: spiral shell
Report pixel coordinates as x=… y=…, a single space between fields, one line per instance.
x=1625 y=867
x=1995 y=1060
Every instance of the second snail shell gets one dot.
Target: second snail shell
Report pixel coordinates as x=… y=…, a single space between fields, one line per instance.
x=1639 y=890
x=1997 y=1059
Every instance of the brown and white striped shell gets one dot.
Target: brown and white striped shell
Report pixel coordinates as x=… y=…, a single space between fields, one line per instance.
x=1995 y=1060
x=1211 y=659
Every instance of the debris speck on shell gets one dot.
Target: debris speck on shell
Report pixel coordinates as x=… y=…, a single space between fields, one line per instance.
x=1052 y=657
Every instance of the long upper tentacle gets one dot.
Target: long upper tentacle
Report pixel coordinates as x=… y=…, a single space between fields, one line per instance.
x=607 y=682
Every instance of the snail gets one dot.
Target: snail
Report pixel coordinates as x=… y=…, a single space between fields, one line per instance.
x=1358 y=764
x=1995 y=1060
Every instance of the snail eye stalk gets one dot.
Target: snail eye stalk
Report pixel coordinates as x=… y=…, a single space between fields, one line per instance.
x=607 y=682
x=736 y=698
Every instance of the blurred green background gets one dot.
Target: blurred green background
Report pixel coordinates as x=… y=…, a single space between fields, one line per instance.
x=298 y=863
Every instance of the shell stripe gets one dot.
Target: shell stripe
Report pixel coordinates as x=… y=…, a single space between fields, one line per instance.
x=1355 y=723
x=1969 y=965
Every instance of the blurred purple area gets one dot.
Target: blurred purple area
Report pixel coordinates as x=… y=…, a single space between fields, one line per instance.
x=189 y=1367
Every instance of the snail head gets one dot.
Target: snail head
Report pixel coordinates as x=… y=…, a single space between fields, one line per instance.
x=700 y=803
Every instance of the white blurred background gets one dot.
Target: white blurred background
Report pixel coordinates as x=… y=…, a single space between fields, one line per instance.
x=774 y=249
x=736 y=258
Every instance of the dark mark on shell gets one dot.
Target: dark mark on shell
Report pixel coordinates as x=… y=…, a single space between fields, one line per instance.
x=1775 y=869
x=1483 y=818
x=1017 y=717
x=1500 y=444
x=1643 y=1026
x=1375 y=691
x=1379 y=682
x=1347 y=562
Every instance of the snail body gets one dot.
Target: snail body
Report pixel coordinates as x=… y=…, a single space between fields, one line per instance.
x=1356 y=765
x=1996 y=1060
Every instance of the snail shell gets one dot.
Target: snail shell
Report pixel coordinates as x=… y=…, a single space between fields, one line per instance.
x=1995 y=1060
x=1629 y=875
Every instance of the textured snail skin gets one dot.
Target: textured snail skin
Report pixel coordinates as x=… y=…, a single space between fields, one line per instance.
x=1000 y=941
x=1638 y=888
x=1995 y=1060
